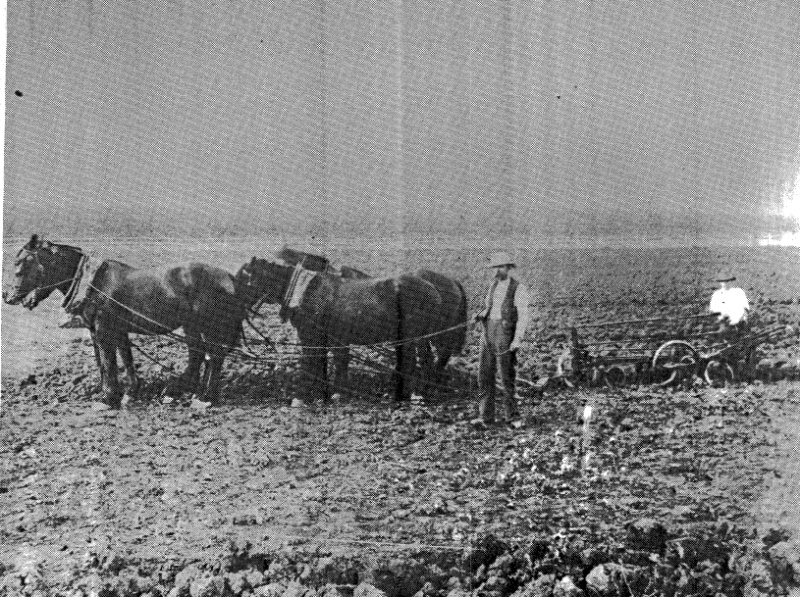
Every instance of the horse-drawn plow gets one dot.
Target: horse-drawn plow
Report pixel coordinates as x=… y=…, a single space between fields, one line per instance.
x=664 y=351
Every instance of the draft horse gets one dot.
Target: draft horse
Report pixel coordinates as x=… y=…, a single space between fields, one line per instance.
x=333 y=313
x=447 y=318
x=121 y=300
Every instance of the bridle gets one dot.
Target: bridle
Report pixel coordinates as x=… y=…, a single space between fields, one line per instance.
x=71 y=293
x=37 y=264
x=297 y=272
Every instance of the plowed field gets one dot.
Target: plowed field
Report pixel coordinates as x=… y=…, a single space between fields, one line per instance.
x=660 y=491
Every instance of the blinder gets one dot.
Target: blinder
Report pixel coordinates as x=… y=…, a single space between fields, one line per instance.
x=24 y=277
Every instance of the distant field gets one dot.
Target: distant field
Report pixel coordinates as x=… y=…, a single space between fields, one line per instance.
x=569 y=284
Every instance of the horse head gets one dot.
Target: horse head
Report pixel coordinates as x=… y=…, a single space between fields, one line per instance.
x=263 y=280
x=40 y=267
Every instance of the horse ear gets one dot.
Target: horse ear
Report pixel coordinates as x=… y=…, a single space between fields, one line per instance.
x=32 y=243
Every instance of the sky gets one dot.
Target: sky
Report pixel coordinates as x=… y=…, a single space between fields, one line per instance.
x=322 y=117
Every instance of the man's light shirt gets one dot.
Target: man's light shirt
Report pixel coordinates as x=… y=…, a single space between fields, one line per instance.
x=730 y=303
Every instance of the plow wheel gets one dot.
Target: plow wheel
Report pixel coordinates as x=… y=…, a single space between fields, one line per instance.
x=674 y=361
x=718 y=373
x=615 y=376
x=620 y=375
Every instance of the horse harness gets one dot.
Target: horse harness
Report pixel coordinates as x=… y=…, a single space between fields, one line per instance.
x=296 y=289
x=71 y=296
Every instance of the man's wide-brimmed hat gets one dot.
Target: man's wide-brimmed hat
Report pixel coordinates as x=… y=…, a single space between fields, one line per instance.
x=725 y=276
x=499 y=259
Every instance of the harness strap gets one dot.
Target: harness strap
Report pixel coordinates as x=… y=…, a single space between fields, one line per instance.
x=70 y=298
x=295 y=290
x=287 y=297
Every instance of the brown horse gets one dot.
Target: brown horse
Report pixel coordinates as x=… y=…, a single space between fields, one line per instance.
x=449 y=318
x=334 y=313
x=120 y=300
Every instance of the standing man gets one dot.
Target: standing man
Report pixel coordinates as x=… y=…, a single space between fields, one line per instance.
x=505 y=319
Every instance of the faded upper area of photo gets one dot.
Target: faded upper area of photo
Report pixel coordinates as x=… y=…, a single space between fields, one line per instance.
x=322 y=117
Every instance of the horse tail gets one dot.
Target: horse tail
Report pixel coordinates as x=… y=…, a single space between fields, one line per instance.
x=452 y=314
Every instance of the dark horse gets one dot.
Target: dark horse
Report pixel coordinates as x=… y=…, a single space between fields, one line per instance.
x=448 y=318
x=334 y=313
x=121 y=300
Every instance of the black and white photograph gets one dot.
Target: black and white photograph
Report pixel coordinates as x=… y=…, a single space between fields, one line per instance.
x=400 y=298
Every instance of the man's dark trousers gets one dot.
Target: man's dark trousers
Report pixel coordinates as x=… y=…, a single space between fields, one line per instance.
x=496 y=340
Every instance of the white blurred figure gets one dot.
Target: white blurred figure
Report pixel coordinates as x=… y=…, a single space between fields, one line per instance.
x=729 y=302
x=732 y=308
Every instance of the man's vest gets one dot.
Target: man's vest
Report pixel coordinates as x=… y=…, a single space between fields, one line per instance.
x=508 y=311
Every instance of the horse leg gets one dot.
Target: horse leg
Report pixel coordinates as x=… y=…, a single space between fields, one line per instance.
x=443 y=357
x=341 y=361
x=427 y=379
x=127 y=362
x=211 y=377
x=107 y=350
x=314 y=369
x=404 y=372
x=217 y=347
x=97 y=361
x=190 y=378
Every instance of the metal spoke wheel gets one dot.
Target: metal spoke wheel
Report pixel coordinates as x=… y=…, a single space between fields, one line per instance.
x=674 y=361
x=718 y=373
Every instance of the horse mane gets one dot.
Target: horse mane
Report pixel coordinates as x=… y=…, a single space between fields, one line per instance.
x=37 y=242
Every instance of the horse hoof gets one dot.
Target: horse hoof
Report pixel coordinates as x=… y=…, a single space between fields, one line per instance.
x=110 y=399
x=298 y=403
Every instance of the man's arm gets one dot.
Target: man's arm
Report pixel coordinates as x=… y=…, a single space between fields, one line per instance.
x=522 y=301
x=484 y=313
x=745 y=305
x=715 y=306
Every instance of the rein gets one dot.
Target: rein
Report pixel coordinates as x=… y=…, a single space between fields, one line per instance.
x=52 y=285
